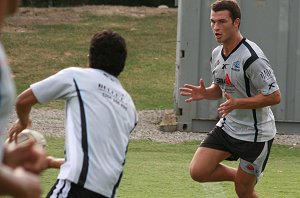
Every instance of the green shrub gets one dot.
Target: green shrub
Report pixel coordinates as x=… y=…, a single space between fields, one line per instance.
x=50 y=3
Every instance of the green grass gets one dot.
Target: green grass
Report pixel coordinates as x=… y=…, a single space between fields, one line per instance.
x=149 y=75
x=162 y=170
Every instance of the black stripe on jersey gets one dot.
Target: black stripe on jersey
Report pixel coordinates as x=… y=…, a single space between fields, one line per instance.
x=121 y=175
x=84 y=143
x=226 y=57
x=247 y=64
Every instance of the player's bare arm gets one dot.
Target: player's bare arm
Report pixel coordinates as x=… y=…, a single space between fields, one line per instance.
x=200 y=92
x=254 y=102
x=24 y=103
x=55 y=162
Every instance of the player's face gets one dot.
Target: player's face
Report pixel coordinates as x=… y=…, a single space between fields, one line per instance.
x=222 y=26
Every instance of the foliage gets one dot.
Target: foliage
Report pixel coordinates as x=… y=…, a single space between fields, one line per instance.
x=49 y=3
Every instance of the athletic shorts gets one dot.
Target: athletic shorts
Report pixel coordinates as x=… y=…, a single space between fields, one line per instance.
x=253 y=155
x=67 y=189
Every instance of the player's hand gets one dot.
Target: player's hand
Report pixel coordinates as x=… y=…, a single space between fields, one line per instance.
x=15 y=155
x=29 y=185
x=229 y=105
x=194 y=92
x=29 y=156
x=37 y=160
x=17 y=128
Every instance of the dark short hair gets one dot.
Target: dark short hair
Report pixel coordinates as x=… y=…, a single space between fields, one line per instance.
x=230 y=5
x=108 y=52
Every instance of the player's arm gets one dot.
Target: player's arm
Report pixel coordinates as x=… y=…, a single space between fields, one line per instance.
x=24 y=103
x=55 y=162
x=200 y=92
x=259 y=101
x=254 y=102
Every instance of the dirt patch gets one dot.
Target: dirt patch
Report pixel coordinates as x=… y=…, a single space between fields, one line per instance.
x=26 y=17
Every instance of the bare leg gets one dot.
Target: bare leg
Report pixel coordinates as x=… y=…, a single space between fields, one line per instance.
x=245 y=184
x=206 y=167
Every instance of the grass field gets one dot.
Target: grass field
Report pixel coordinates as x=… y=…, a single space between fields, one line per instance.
x=158 y=170
x=152 y=169
x=150 y=70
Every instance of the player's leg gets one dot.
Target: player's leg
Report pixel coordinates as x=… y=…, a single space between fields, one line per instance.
x=245 y=184
x=252 y=164
x=206 y=167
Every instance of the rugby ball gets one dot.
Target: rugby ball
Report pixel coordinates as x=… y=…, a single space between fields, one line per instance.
x=28 y=134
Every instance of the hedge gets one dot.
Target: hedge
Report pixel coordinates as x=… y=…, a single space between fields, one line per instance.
x=61 y=3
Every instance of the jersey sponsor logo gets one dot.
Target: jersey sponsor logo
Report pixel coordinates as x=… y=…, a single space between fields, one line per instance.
x=220 y=81
x=236 y=66
x=266 y=74
x=250 y=167
x=225 y=66
x=227 y=80
x=226 y=84
x=113 y=95
x=271 y=85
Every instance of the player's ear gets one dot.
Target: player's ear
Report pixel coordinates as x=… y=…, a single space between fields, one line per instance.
x=237 y=22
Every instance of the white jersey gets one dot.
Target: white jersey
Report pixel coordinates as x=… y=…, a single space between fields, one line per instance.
x=245 y=72
x=100 y=115
x=7 y=97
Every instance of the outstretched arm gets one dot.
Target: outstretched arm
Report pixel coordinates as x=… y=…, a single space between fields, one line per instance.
x=200 y=92
x=55 y=162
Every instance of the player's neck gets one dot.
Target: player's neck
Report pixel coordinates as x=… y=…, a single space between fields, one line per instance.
x=231 y=43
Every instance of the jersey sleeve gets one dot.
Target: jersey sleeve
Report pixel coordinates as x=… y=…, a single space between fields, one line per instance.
x=57 y=86
x=262 y=77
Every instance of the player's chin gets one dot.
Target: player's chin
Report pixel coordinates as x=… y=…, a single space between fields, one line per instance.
x=219 y=40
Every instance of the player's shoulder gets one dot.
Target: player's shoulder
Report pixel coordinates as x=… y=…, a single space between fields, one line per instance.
x=217 y=50
x=252 y=46
x=254 y=49
x=73 y=71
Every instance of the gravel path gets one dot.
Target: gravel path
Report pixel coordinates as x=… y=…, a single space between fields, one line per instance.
x=51 y=123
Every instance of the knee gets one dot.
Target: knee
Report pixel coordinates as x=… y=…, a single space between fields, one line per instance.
x=197 y=173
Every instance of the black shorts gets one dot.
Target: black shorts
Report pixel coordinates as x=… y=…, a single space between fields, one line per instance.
x=253 y=155
x=67 y=189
